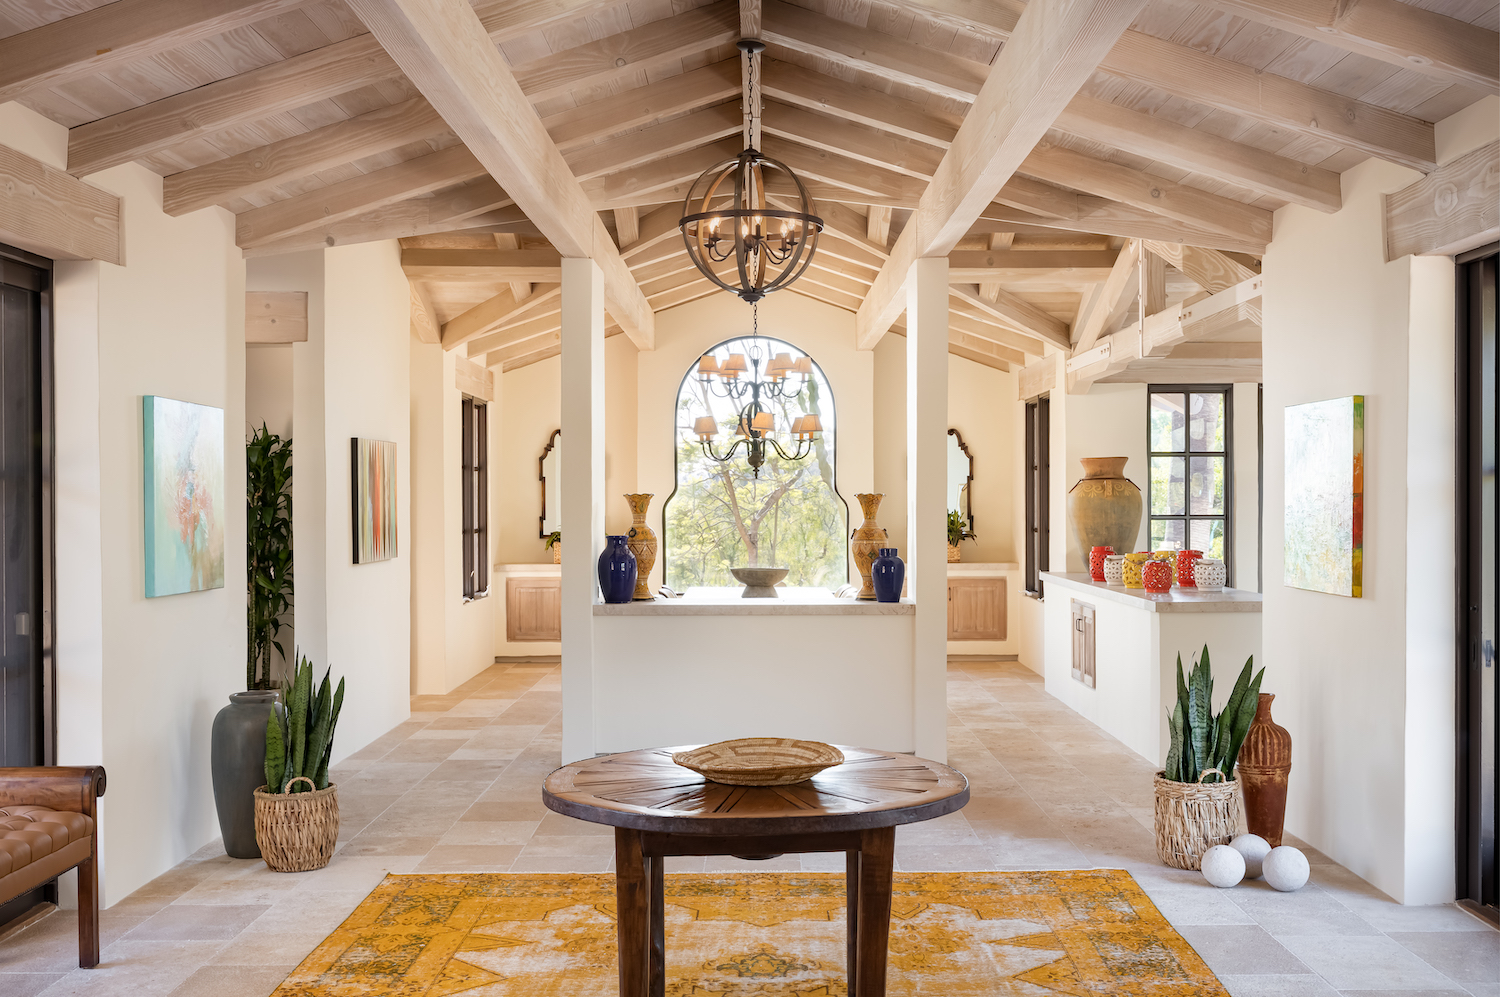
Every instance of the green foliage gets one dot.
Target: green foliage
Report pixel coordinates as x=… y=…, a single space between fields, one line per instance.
x=555 y=537
x=299 y=741
x=958 y=529
x=268 y=546
x=721 y=516
x=1201 y=740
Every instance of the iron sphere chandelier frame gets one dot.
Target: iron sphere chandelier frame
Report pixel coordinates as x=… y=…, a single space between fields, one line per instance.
x=730 y=214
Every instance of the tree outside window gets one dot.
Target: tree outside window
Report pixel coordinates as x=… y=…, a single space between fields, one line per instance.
x=721 y=516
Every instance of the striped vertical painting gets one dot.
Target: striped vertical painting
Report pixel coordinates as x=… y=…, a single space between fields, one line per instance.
x=1325 y=500
x=373 y=464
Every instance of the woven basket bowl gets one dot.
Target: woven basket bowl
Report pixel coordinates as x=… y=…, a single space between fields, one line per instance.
x=297 y=832
x=1193 y=817
x=760 y=761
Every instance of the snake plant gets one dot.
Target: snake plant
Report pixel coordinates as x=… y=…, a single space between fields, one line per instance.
x=1201 y=740
x=299 y=739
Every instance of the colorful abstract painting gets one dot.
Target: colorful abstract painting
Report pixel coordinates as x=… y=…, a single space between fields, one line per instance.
x=1325 y=494
x=183 y=472
x=374 y=490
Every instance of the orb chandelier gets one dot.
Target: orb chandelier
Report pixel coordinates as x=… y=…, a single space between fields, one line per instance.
x=731 y=214
x=756 y=425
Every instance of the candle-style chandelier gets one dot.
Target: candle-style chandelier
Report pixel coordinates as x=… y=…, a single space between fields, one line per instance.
x=730 y=213
x=734 y=379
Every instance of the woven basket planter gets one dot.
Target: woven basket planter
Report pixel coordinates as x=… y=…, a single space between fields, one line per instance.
x=1193 y=817
x=297 y=832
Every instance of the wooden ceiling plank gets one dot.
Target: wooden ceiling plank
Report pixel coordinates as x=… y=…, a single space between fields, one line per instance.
x=627 y=226
x=1056 y=47
x=348 y=198
x=1018 y=313
x=1068 y=168
x=971 y=320
x=1160 y=139
x=664 y=179
x=1424 y=41
x=878 y=226
x=628 y=53
x=586 y=123
x=113 y=34
x=490 y=313
x=445 y=52
x=468 y=206
x=862 y=143
x=830 y=167
x=1027 y=201
x=332 y=145
x=819 y=92
x=667 y=138
x=657 y=228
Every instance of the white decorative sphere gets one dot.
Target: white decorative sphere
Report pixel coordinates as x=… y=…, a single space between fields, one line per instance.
x=1253 y=848
x=1286 y=869
x=1222 y=866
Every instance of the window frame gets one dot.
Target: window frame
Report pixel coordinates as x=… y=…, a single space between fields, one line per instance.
x=1038 y=492
x=474 y=479
x=1187 y=453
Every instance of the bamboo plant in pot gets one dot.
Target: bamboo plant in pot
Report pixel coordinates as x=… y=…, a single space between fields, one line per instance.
x=297 y=810
x=1197 y=795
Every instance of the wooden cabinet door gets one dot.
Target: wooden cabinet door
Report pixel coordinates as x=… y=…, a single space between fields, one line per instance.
x=1083 y=642
x=976 y=609
x=533 y=609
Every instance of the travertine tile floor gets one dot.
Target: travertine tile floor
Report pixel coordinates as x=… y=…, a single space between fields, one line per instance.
x=457 y=789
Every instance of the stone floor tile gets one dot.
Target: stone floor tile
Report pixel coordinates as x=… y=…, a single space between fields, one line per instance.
x=1241 y=950
x=506 y=810
x=581 y=845
x=944 y=858
x=233 y=981
x=369 y=844
x=137 y=968
x=566 y=863
x=1202 y=904
x=469 y=858
x=1277 y=986
x=1466 y=957
x=196 y=922
x=1357 y=962
x=562 y=824
x=26 y=984
x=484 y=832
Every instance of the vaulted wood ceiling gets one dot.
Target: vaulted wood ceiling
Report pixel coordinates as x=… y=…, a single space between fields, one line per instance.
x=1198 y=122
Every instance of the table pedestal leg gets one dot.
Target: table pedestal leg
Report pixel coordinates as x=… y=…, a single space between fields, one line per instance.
x=872 y=924
x=633 y=913
x=658 y=981
x=851 y=892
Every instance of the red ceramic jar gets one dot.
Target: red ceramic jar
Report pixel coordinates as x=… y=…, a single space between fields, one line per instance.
x=1096 y=562
x=1185 y=559
x=1157 y=576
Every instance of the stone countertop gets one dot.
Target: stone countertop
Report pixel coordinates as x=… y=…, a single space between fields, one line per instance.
x=792 y=601
x=1179 y=600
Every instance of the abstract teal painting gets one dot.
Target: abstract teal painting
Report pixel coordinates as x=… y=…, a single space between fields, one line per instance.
x=184 y=509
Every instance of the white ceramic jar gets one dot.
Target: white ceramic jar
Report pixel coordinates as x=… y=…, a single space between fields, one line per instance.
x=1209 y=574
x=1114 y=569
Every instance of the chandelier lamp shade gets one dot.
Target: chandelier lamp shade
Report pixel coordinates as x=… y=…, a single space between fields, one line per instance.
x=755 y=424
x=748 y=222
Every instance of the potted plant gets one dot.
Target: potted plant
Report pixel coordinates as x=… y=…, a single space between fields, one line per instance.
x=1197 y=795
x=297 y=810
x=554 y=544
x=958 y=532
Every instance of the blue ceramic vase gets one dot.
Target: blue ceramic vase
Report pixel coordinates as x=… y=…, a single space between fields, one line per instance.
x=887 y=575
x=617 y=570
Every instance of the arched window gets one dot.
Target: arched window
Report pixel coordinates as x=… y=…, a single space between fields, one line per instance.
x=722 y=516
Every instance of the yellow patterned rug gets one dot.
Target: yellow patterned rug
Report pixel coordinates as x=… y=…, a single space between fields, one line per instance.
x=756 y=935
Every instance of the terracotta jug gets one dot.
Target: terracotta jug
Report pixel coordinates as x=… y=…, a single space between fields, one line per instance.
x=1264 y=762
x=1105 y=506
x=868 y=540
x=642 y=542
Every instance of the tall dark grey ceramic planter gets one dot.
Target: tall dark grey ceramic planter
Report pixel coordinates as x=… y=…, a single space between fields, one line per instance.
x=239 y=766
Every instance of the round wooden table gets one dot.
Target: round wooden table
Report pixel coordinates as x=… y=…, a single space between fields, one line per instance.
x=658 y=808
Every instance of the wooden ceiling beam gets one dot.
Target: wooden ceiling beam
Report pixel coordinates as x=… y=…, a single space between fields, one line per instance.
x=664 y=179
x=480 y=265
x=1400 y=34
x=424 y=324
x=1116 y=288
x=1067 y=168
x=369 y=192
x=1450 y=211
x=46 y=211
x=830 y=167
x=489 y=314
x=444 y=50
x=1209 y=269
x=985 y=325
x=586 y=123
x=1017 y=313
x=667 y=138
x=367 y=134
x=116 y=33
x=476 y=205
x=1055 y=48
x=858 y=142
x=814 y=91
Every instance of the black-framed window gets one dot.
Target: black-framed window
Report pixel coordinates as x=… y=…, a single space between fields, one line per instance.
x=1038 y=471
x=476 y=492
x=1190 y=433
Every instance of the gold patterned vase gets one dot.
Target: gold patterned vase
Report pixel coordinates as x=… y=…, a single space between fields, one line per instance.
x=868 y=540
x=1105 y=506
x=642 y=543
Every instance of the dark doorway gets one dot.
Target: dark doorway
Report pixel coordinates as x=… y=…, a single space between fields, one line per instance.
x=1478 y=593
x=26 y=676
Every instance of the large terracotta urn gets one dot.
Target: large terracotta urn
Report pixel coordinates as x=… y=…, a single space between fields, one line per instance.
x=868 y=540
x=1105 y=506
x=1265 y=761
x=642 y=540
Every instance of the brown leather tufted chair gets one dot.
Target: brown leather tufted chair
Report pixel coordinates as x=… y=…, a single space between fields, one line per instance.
x=48 y=825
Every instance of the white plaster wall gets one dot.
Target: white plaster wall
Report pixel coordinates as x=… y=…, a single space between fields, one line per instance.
x=366 y=393
x=657 y=699
x=268 y=388
x=469 y=627
x=1109 y=421
x=890 y=437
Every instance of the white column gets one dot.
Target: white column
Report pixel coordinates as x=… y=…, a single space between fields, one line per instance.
x=926 y=497
x=582 y=494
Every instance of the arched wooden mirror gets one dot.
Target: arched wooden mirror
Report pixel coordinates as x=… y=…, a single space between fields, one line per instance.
x=960 y=477
x=551 y=471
